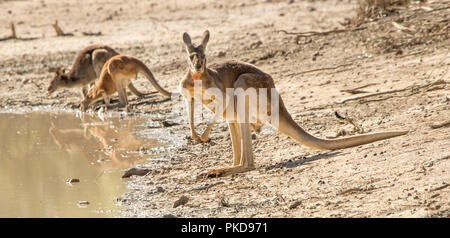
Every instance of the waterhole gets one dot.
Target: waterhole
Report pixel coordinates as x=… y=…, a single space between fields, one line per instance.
x=41 y=151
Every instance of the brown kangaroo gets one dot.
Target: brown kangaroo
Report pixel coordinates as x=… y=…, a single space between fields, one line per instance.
x=85 y=70
x=115 y=76
x=238 y=75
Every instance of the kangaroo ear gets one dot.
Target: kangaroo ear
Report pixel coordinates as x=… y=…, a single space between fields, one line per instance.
x=187 y=40
x=205 y=39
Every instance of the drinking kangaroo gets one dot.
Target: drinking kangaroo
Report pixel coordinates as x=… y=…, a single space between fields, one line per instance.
x=241 y=76
x=115 y=77
x=85 y=70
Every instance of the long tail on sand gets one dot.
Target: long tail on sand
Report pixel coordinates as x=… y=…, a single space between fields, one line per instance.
x=288 y=127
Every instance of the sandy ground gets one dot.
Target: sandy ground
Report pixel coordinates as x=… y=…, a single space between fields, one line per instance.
x=406 y=176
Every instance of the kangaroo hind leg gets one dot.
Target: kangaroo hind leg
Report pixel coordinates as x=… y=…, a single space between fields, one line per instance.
x=123 y=98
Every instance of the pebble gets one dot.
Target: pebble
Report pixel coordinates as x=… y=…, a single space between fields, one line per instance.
x=295 y=204
x=180 y=202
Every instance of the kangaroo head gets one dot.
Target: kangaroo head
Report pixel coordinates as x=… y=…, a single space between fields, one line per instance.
x=59 y=78
x=196 y=54
x=92 y=96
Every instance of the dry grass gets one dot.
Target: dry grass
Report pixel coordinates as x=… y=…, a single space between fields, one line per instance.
x=370 y=9
x=402 y=28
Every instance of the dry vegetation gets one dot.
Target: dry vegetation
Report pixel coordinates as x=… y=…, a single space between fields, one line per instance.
x=409 y=26
x=368 y=10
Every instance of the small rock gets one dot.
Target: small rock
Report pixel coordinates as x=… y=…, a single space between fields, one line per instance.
x=167 y=124
x=256 y=44
x=295 y=204
x=223 y=202
x=160 y=189
x=221 y=54
x=135 y=171
x=180 y=202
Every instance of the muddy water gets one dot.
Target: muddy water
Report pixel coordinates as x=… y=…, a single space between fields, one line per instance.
x=40 y=151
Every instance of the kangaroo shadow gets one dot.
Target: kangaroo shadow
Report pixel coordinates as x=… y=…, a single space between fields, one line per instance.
x=302 y=160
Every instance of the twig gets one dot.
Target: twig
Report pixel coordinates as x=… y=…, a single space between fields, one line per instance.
x=357 y=127
x=410 y=54
x=59 y=31
x=438 y=82
x=440 y=187
x=323 y=33
x=320 y=69
x=440 y=124
x=357 y=89
x=403 y=28
x=13 y=31
x=375 y=100
x=13 y=35
x=207 y=186
x=92 y=33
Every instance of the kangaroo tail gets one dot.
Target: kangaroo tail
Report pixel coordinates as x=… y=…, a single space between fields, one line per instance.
x=148 y=74
x=288 y=127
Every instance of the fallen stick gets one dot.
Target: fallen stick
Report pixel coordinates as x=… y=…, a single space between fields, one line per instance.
x=13 y=35
x=323 y=33
x=13 y=31
x=59 y=31
x=357 y=127
x=438 y=82
x=358 y=89
x=320 y=69
x=440 y=124
x=92 y=33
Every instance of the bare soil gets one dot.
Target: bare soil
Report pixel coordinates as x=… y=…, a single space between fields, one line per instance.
x=407 y=176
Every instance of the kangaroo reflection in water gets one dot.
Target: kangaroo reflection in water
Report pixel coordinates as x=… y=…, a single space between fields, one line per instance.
x=105 y=145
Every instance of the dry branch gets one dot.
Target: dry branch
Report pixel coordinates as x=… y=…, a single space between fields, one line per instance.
x=320 y=69
x=13 y=31
x=358 y=89
x=92 y=33
x=440 y=124
x=322 y=33
x=438 y=82
x=13 y=35
x=59 y=31
x=357 y=127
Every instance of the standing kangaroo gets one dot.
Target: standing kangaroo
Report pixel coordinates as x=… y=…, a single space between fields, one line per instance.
x=115 y=77
x=85 y=70
x=237 y=75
